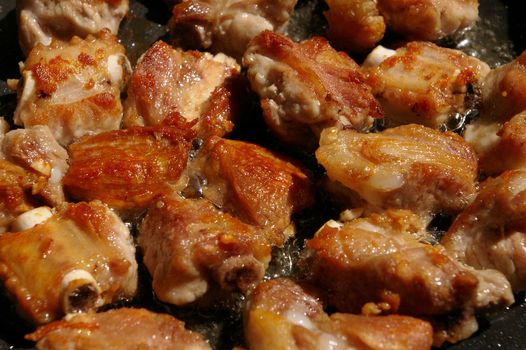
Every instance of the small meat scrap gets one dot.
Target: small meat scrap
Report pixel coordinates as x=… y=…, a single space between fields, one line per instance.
x=43 y=21
x=252 y=183
x=128 y=169
x=308 y=86
x=79 y=259
x=354 y=25
x=425 y=84
x=409 y=167
x=36 y=150
x=226 y=25
x=282 y=314
x=205 y=89
x=379 y=264
x=118 y=329
x=428 y=20
x=15 y=192
x=73 y=88
x=191 y=247
x=490 y=233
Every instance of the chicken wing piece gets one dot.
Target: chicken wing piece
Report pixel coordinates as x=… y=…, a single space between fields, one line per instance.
x=203 y=88
x=128 y=169
x=409 y=167
x=425 y=84
x=306 y=87
x=191 y=247
x=79 y=259
x=227 y=25
x=503 y=96
x=37 y=151
x=132 y=329
x=74 y=88
x=15 y=187
x=252 y=183
x=354 y=25
x=378 y=263
x=43 y=21
x=491 y=232
x=428 y=19
x=282 y=314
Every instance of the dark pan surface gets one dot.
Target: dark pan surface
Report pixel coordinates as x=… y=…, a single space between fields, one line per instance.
x=498 y=37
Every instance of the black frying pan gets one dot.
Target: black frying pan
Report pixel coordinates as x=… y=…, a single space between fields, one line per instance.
x=498 y=37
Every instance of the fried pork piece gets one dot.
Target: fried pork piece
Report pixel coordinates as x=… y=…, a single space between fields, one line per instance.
x=201 y=87
x=131 y=329
x=227 y=25
x=77 y=260
x=409 y=167
x=190 y=246
x=379 y=263
x=128 y=169
x=423 y=83
x=354 y=25
x=491 y=233
x=15 y=188
x=282 y=314
x=43 y=21
x=74 y=88
x=428 y=19
x=503 y=96
x=308 y=86
x=251 y=182
x=37 y=151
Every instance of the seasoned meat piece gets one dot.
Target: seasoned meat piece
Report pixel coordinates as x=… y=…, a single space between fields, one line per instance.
x=37 y=151
x=190 y=247
x=79 y=259
x=226 y=25
x=503 y=96
x=410 y=167
x=428 y=19
x=506 y=148
x=491 y=232
x=308 y=86
x=423 y=83
x=251 y=182
x=354 y=25
x=15 y=186
x=4 y=128
x=282 y=314
x=74 y=88
x=203 y=88
x=132 y=329
x=42 y=21
x=379 y=263
x=127 y=169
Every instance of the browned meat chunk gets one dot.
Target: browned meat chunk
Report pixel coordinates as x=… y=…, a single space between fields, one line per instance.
x=227 y=25
x=378 y=263
x=132 y=329
x=36 y=150
x=203 y=88
x=127 y=169
x=42 y=21
x=490 y=233
x=282 y=314
x=354 y=25
x=190 y=247
x=428 y=19
x=79 y=259
x=308 y=86
x=410 y=167
x=74 y=88
x=423 y=83
x=251 y=182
